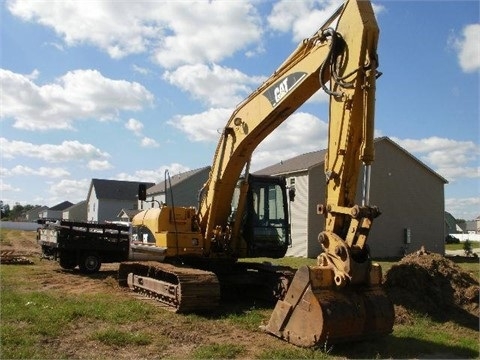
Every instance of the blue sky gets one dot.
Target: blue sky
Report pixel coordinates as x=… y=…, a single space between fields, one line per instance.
x=127 y=89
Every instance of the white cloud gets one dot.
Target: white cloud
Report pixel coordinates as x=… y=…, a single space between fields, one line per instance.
x=468 y=48
x=452 y=159
x=215 y=85
x=155 y=175
x=299 y=134
x=99 y=165
x=79 y=94
x=304 y=18
x=206 y=126
x=66 y=151
x=67 y=189
x=135 y=126
x=463 y=208
x=41 y=171
x=7 y=187
x=149 y=142
x=174 y=32
x=140 y=70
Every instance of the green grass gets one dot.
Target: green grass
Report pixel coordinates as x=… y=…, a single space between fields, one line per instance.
x=459 y=246
x=45 y=323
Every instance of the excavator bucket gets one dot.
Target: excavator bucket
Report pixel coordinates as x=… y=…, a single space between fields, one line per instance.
x=314 y=312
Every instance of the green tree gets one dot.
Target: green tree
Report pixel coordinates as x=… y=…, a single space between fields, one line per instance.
x=467 y=247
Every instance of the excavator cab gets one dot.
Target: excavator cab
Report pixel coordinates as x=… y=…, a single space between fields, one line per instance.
x=265 y=223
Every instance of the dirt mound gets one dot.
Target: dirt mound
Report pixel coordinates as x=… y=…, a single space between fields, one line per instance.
x=432 y=284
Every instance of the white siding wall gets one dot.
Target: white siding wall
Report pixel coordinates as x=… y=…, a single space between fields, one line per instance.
x=108 y=209
x=299 y=216
x=92 y=206
x=316 y=222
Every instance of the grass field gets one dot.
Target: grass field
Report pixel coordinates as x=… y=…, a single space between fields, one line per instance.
x=48 y=313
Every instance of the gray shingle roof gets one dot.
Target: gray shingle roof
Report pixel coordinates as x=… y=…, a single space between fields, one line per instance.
x=306 y=161
x=298 y=163
x=174 y=180
x=116 y=189
x=62 y=206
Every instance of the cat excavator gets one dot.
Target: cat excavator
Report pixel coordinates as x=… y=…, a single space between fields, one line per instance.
x=188 y=256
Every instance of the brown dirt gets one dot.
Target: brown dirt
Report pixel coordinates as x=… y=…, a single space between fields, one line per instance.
x=429 y=283
x=422 y=283
x=178 y=335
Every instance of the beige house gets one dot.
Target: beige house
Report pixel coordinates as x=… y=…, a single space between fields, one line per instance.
x=76 y=212
x=55 y=212
x=409 y=194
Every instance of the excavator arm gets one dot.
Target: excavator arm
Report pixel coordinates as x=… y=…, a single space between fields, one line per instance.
x=341 y=298
x=346 y=59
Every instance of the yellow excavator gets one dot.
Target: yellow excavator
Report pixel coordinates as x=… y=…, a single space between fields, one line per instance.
x=188 y=256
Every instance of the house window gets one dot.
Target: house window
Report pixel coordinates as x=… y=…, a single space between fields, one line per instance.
x=292 y=181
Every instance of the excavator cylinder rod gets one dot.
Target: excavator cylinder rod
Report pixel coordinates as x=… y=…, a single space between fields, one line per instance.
x=314 y=313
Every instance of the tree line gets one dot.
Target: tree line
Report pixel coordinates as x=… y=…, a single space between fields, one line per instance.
x=14 y=213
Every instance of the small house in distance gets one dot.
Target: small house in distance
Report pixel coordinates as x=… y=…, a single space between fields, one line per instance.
x=409 y=194
x=184 y=187
x=35 y=213
x=55 y=212
x=76 y=212
x=106 y=198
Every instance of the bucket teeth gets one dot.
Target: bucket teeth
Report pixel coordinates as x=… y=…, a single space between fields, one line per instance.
x=314 y=312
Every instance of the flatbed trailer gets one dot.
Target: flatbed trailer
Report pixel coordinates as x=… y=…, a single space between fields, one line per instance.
x=83 y=244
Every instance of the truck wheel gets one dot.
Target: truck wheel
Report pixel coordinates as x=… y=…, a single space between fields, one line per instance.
x=90 y=263
x=67 y=262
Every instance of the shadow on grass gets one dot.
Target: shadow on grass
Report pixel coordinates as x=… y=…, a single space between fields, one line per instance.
x=401 y=348
x=100 y=275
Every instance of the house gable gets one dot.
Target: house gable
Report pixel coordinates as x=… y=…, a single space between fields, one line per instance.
x=107 y=197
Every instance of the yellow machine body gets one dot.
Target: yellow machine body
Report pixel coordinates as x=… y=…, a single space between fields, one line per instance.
x=339 y=299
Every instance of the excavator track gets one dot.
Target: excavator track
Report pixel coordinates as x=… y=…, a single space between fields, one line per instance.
x=182 y=289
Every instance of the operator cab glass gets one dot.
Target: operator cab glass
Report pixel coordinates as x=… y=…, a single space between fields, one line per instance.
x=266 y=227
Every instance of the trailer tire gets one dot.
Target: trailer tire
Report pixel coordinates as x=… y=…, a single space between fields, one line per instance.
x=67 y=262
x=90 y=263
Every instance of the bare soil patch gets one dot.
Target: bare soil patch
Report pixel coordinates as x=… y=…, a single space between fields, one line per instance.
x=419 y=283
x=429 y=283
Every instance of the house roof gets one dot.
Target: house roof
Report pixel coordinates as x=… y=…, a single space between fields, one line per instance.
x=77 y=204
x=296 y=164
x=62 y=206
x=451 y=223
x=116 y=189
x=306 y=161
x=174 y=180
x=470 y=225
x=37 y=209
x=129 y=212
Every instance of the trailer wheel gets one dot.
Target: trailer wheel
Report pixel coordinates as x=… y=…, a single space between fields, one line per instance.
x=90 y=263
x=67 y=262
